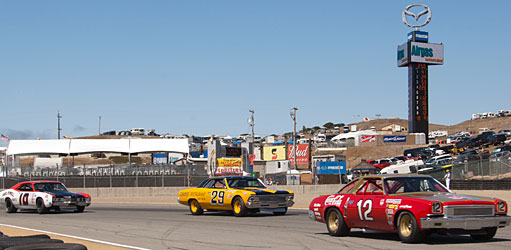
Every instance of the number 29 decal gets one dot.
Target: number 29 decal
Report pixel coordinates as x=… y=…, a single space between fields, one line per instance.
x=367 y=205
x=217 y=197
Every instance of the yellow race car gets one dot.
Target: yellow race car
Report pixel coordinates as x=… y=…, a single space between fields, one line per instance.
x=239 y=194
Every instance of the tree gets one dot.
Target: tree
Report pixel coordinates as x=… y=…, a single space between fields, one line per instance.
x=328 y=125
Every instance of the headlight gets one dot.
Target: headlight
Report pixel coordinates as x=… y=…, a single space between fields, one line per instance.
x=253 y=198
x=290 y=197
x=436 y=208
x=501 y=207
x=87 y=199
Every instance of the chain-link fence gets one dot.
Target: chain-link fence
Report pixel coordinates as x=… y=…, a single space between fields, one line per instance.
x=111 y=175
x=496 y=166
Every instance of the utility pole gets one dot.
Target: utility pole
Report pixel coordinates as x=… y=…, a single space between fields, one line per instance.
x=58 y=124
x=251 y=121
x=99 y=127
x=293 y=116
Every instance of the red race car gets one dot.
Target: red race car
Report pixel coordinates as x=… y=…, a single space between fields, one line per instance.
x=411 y=205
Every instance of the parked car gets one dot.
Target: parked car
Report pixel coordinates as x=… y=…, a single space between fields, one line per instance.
x=496 y=139
x=411 y=205
x=381 y=163
x=239 y=194
x=441 y=159
x=502 y=148
x=43 y=196
x=506 y=132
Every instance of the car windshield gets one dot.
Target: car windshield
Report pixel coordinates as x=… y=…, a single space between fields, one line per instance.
x=245 y=183
x=398 y=185
x=50 y=186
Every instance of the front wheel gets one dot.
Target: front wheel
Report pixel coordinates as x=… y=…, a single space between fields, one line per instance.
x=488 y=234
x=9 y=207
x=79 y=209
x=408 y=229
x=238 y=207
x=281 y=212
x=195 y=208
x=41 y=208
x=335 y=223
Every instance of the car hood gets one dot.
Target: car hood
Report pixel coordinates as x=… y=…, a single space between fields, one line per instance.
x=265 y=191
x=448 y=197
x=61 y=194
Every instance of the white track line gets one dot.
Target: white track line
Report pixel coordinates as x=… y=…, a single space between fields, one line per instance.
x=76 y=237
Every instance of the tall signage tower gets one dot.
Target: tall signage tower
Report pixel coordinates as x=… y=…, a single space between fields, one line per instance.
x=417 y=54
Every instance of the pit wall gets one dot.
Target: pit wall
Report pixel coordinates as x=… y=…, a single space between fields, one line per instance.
x=168 y=195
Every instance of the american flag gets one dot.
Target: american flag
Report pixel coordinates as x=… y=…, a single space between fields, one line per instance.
x=4 y=138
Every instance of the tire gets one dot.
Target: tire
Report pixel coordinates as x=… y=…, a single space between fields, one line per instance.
x=41 y=209
x=408 y=229
x=195 y=207
x=9 y=207
x=489 y=233
x=21 y=242
x=238 y=207
x=281 y=213
x=79 y=209
x=29 y=237
x=59 y=246
x=335 y=223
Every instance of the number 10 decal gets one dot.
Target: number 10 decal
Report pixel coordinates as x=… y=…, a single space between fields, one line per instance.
x=217 y=198
x=368 y=207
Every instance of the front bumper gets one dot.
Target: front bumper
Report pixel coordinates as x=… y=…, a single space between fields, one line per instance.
x=466 y=223
x=70 y=204
x=269 y=205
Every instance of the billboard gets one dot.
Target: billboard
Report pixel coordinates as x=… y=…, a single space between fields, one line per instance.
x=428 y=53
x=229 y=166
x=274 y=153
x=367 y=138
x=330 y=167
x=396 y=138
x=302 y=154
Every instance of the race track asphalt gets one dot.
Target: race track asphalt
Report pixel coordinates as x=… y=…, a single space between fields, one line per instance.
x=157 y=226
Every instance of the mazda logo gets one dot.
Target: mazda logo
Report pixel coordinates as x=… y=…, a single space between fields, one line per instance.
x=407 y=12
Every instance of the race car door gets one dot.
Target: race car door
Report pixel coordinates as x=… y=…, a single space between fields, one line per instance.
x=216 y=192
x=25 y=199
x=365 y=208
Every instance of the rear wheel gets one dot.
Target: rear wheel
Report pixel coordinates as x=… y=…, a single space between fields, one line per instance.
x=335 y=223
x=238 y=207
x=41 y=209
x=408 y=229
x=488 y=234
x=9 y=207
x=195 y=208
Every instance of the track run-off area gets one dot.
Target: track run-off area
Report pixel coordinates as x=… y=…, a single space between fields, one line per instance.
x=158 y=226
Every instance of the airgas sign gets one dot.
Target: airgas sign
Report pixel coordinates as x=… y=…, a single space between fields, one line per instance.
x=428 y=53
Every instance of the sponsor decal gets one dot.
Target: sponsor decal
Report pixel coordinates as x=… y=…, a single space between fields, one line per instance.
x=244 y=193
x=393 y=201
x=318 y=217
x=367 y=138
x=389 y=218
x=274 y=153
x=389 y=211
x=454 y=197
x=317 y=205
x=333 y=200
x=382 y=201
x=406 y=206
x=317 y=213
x=351 y=202
x=316 y=209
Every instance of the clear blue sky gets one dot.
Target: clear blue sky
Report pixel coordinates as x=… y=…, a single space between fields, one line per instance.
x=197 y=67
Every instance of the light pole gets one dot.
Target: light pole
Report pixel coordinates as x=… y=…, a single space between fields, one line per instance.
x=293 y=116
x=251 y=121
x=58 y=124
x=99 y=126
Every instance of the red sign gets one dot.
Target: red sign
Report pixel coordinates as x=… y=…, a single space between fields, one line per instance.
x=367 y=138
x=302 y=154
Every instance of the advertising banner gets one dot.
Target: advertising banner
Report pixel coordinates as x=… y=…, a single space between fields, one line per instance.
x=274 y=153
x=229 y=166
x=160 y=158
x=396 y=138
x=367 y=138
x=402 y=55
x=428 y=53
x=302 y=154
x=330 y=167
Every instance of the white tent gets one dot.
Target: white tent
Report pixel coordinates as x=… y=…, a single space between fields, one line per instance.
x=83 y=146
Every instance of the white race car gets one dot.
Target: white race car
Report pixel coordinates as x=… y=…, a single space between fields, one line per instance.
x=42 y=196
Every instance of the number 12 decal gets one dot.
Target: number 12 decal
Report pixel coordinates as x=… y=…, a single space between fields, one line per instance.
x=368 y=206
x=217 y=198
